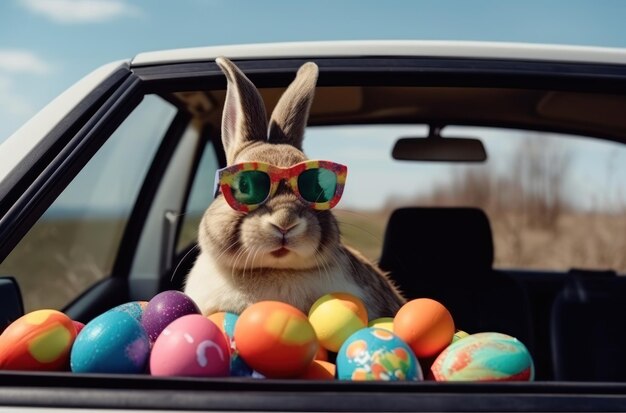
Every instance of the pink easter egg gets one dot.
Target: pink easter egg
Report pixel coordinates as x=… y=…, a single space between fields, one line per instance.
x=191 y=345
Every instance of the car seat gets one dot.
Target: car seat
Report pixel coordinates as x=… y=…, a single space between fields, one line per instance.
x=447 y=254
x=589 y=328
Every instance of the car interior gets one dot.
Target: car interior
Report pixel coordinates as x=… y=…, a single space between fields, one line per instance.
x=442 y=252
x=429 y=249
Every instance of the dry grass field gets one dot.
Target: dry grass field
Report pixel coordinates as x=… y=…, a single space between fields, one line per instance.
x=577 y=240
x=60 y=258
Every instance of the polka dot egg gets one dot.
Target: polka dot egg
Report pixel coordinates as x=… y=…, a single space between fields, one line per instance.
x=113 y=342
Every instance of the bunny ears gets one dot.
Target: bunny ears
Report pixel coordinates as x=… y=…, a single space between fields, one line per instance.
x=245 y=120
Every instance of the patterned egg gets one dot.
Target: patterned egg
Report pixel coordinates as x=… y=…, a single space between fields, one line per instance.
x=40 y=340
x=164 y=308
x=276 y=339
x=113 y=342
x=377 y=354
x=484 y=357
x=134 y=308
x=191 y=345
x=226 y=322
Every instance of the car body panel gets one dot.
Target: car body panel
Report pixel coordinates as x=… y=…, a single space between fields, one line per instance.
x=407 y=48
x=21 y=142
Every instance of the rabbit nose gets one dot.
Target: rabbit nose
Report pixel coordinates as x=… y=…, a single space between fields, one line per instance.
x=284 y=229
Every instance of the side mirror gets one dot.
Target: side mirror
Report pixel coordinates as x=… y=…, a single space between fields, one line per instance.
x=11 y=305
x=435 y=148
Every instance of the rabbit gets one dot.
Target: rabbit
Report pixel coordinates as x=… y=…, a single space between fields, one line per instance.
x=284 y=250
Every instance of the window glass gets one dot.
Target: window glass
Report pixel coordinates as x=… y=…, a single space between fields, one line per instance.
x=554 y=201
x=74 y=243
x=200 y=197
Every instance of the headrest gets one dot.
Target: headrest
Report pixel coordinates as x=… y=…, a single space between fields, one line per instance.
x=438 y=239
x=586 y=286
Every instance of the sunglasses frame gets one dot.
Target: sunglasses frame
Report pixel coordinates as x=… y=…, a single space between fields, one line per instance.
x=224 y=178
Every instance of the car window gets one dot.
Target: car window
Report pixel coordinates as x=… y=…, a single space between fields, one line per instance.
x=554 y=201
x=200 y=197
x=75 y=242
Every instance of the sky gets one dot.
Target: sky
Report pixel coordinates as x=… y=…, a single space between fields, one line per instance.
x=47 y=45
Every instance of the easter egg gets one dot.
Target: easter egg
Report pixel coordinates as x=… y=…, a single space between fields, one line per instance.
x=191 y=345
x=425 y=325
x=40 y=340
x=335 y=317
x=377 y=354
x=226 y=323
x=460 y=334
x=322 y=354
x=320 y=370
x=385 y=323
x=275 y=339
x=164 y=308
x=78 y=325
x=484 y=357
x=134 y=308
x=113 y=342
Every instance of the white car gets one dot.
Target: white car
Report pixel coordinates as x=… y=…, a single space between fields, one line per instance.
x=490 y=177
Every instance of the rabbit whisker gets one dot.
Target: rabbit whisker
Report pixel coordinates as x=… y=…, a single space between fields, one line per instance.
x=195 y=247
x=321 y=267
x=236 y=261
x=226 y=249
x=371 y=234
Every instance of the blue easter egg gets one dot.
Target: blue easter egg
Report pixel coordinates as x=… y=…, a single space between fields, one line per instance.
x=113 y=342
x=226 y=322
x=134 y=308
x=377 y=354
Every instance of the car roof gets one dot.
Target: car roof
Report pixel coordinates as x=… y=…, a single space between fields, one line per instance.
x=407 y=48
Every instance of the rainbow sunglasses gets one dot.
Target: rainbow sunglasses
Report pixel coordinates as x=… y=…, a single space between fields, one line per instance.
x=248 y=185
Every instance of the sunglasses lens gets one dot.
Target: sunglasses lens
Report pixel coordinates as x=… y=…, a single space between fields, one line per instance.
x=251 y=187
x=317 y=185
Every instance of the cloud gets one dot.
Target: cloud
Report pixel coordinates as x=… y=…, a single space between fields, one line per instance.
x=11 y=102
x=81 y=11
x=23 y=61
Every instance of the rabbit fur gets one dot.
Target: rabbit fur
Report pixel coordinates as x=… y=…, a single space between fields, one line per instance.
x=236 y=267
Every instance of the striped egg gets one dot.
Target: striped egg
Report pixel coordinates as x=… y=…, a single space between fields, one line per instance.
x=484 y=357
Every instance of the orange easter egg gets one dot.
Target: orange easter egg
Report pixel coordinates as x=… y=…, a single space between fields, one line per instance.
x=40 y=340
x=425 y=325
x=275 y=339
x=322 y=354
x=320 y=370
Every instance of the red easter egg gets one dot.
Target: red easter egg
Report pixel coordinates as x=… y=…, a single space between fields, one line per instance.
x=78 y=325
x=322 y=354
x=425 y=325
x=40 y=340
x=276 y=339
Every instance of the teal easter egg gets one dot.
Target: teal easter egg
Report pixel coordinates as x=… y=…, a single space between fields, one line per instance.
x=113 y=342
x=377 y=354
x=484 y=357
x=133 y=308
x=226 y=322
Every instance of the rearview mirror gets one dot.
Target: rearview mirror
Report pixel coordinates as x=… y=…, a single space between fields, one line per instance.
x=436 y=148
